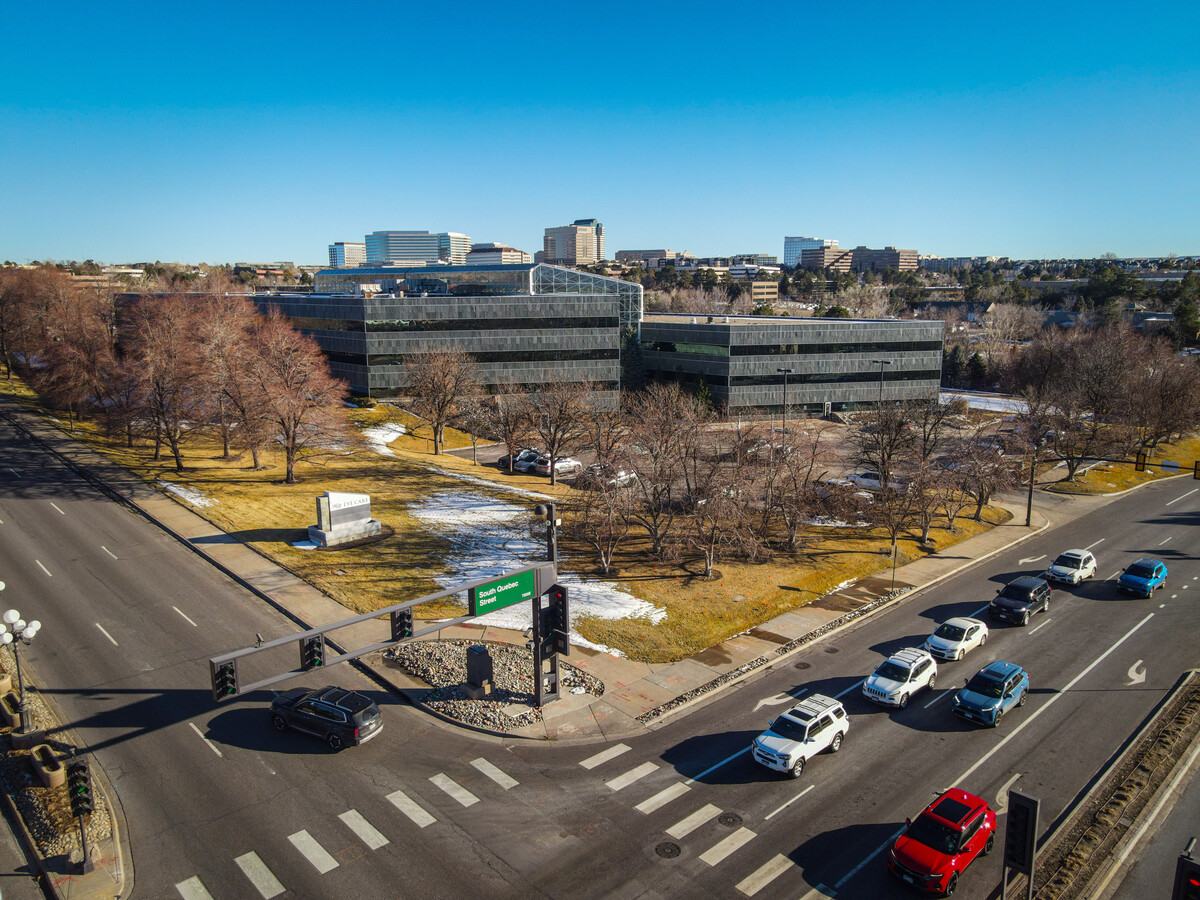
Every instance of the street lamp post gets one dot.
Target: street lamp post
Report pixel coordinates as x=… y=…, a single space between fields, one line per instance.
x=785 y=373
x=881 y=363
x=16 y=632
x=547 y=510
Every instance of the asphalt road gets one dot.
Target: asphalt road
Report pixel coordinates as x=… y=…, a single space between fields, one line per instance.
x=219 y=805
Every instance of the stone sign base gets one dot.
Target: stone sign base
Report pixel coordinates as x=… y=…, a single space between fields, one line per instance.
x=344 y=534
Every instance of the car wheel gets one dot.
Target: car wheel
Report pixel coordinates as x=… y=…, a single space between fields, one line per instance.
x=952 y=884
x=797 y=768
x=902 y=702
x=1024 y=697
x=983 y=640
x=334 y=740
x=836 y=744
x=996 y=721
x=1046 y=607
x=991 y=842
x=280 y=723
x=1025 y=618
x=932 y=682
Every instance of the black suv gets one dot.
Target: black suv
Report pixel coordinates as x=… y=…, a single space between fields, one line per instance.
x=336 y=715
x=1020 y=599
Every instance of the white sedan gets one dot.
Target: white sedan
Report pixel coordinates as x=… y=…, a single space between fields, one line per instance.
x=955 y=637
x=1072 y=567
x=564 y=465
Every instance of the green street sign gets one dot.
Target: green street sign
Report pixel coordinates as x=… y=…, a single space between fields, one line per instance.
x=504 y=591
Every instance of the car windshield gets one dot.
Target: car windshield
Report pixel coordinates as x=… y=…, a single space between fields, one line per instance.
x=1140 y=571
x=892 y=671
x=787 y=728
x=1021 y=595
x=935 y=834
x=986 y=685
x=951 y=632
x=1068 y=562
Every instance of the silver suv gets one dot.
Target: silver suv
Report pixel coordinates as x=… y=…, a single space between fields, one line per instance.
x=816 y=724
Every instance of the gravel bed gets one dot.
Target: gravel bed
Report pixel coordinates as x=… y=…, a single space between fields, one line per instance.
x=443 y=666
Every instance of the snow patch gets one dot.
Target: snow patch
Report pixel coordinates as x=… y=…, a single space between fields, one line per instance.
x=379 y=436
x=491 y=537
x=988 y=402
x=192 y=496
x=305 y=545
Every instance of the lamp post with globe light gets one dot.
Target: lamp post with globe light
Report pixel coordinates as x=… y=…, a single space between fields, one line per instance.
x=17 y=631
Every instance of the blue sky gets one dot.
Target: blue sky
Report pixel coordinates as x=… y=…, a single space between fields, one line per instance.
x=221 y=132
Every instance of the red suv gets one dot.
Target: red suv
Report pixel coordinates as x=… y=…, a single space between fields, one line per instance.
x=943 y=840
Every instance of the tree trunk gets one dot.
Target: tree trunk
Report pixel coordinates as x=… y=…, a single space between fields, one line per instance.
x=291 y=465
x=438 y=437
x=979 y=509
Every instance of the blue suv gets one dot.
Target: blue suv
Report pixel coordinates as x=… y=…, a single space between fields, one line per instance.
x=1143 y=578
x=993 y=691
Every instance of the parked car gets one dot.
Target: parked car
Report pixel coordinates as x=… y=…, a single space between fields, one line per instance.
x=1020 y=599
x=954 y=637
x=936 y=847
x=991 y=692
x=873 y=481
x=527 y=455
x=564 y=465
x=337 y=716
x=602 y=475
x=901 y=675
x=816 y=724
x=1071 y=567
x=1143 y=578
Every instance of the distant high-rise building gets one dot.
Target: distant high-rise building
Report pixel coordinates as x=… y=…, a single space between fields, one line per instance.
x=578 y=244
x=496 y=255
x=347 y=253
x=417 y=247
x=453 y=248
x=754 y=259
x=794 y=246
x=866 y=260
x=651 y=257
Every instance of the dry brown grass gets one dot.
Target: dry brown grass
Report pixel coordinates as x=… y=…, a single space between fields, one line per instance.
x=1109 y=478
x=257 y=508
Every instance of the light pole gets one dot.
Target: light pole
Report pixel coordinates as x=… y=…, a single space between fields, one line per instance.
x=785 y=373
x=547 y=510
x=881 y=363
x=16 y=632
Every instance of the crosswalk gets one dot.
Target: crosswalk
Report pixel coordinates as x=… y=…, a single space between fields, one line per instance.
x=695 y=823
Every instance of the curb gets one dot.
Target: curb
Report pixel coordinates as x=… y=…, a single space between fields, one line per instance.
x=29 y=846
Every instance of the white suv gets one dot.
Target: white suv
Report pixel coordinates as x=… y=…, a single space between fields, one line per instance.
x=816 y=724
x=900 y=676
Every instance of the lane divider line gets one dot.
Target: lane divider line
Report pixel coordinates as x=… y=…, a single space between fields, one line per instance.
x=1097 y=544
x=1160 y=543
x=717 y=766
x=55 y=505
x=1045 y=622
x=185 y=618
x=942 y=696
x=211 y=746
x=107 y=635
x=789 y=803
x=862 y=865
x=43 y=568
x=109 y=552
x=1188 y=494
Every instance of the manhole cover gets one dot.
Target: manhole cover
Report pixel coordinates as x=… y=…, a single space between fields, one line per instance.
x=730 y=820
x=831 y=649
x=667 y=850
x=802 y=665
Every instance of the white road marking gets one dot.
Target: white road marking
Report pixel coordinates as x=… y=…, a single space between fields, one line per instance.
x=43 y=568
x=1097 y=544
x=1045 y=622
x=109 y=552
x=107 y=635
x=684 y=827
x=15 y=472
x=852 y=687
x=1160 y=543
x=1135 y=676
x=790 y=802
x=981 y=609
x=1057 y=696
x=454 y=789
x=777 y=699
x=1113 y=575
x=504 y=780
x=735 y=841
x=211 y=745
x=1001 y=806
x=1162 y=606
x=313 y=852
x=604 y=756
x=662 y=798
x=1186 y=586
x=1173 y=596
x=1029 y=559
x=1188 y=494
x=764 y=875
x=406 y=805
x=366 y=832
x=862 y=865
x=624 y=781
x=819 y=891
x=942 y=696
x=260 y=876
x=192 y=889
x=717 y=766
x=55 y=505
x=185 y=618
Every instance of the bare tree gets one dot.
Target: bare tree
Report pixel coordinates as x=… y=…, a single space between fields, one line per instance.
x=600 y=520
x=225 y=340
x=439 y=383
x=883 y=440
x=929 y=421
x=508 y=417
x=560 y=415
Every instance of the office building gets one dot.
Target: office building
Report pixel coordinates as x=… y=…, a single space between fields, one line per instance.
x=347 y=253
x=763 y=291
x=793 y=246
x=417 y=248
x=653 y=258
x=527 y=325
x=579 y=244
x=453 y=248
x=865 y=260
x=818 y=258
x=496 y=255
x=754 y=259
x=830 y=361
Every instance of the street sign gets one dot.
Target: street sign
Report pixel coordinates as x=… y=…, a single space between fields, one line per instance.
x=1168 y=465
x=502 y=592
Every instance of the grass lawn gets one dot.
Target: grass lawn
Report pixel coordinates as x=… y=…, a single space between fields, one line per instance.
x=1108 y=478
x=257 y=508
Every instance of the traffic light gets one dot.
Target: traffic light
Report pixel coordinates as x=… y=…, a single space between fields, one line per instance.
x=79 y=787
x=1139 y=464
x=312 y=652
x=402 y=624
x=1020 y=835
x=556 y=628
x=1187 y=879
x=224 y=680
x=1196 y=470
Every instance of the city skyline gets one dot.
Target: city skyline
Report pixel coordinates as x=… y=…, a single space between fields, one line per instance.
x=1039 y=134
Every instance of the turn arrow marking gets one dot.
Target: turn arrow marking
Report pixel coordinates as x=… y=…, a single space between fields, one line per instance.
x=777 y=699
x=1136 y=676
x=1030 y=559
x=1001 y=806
